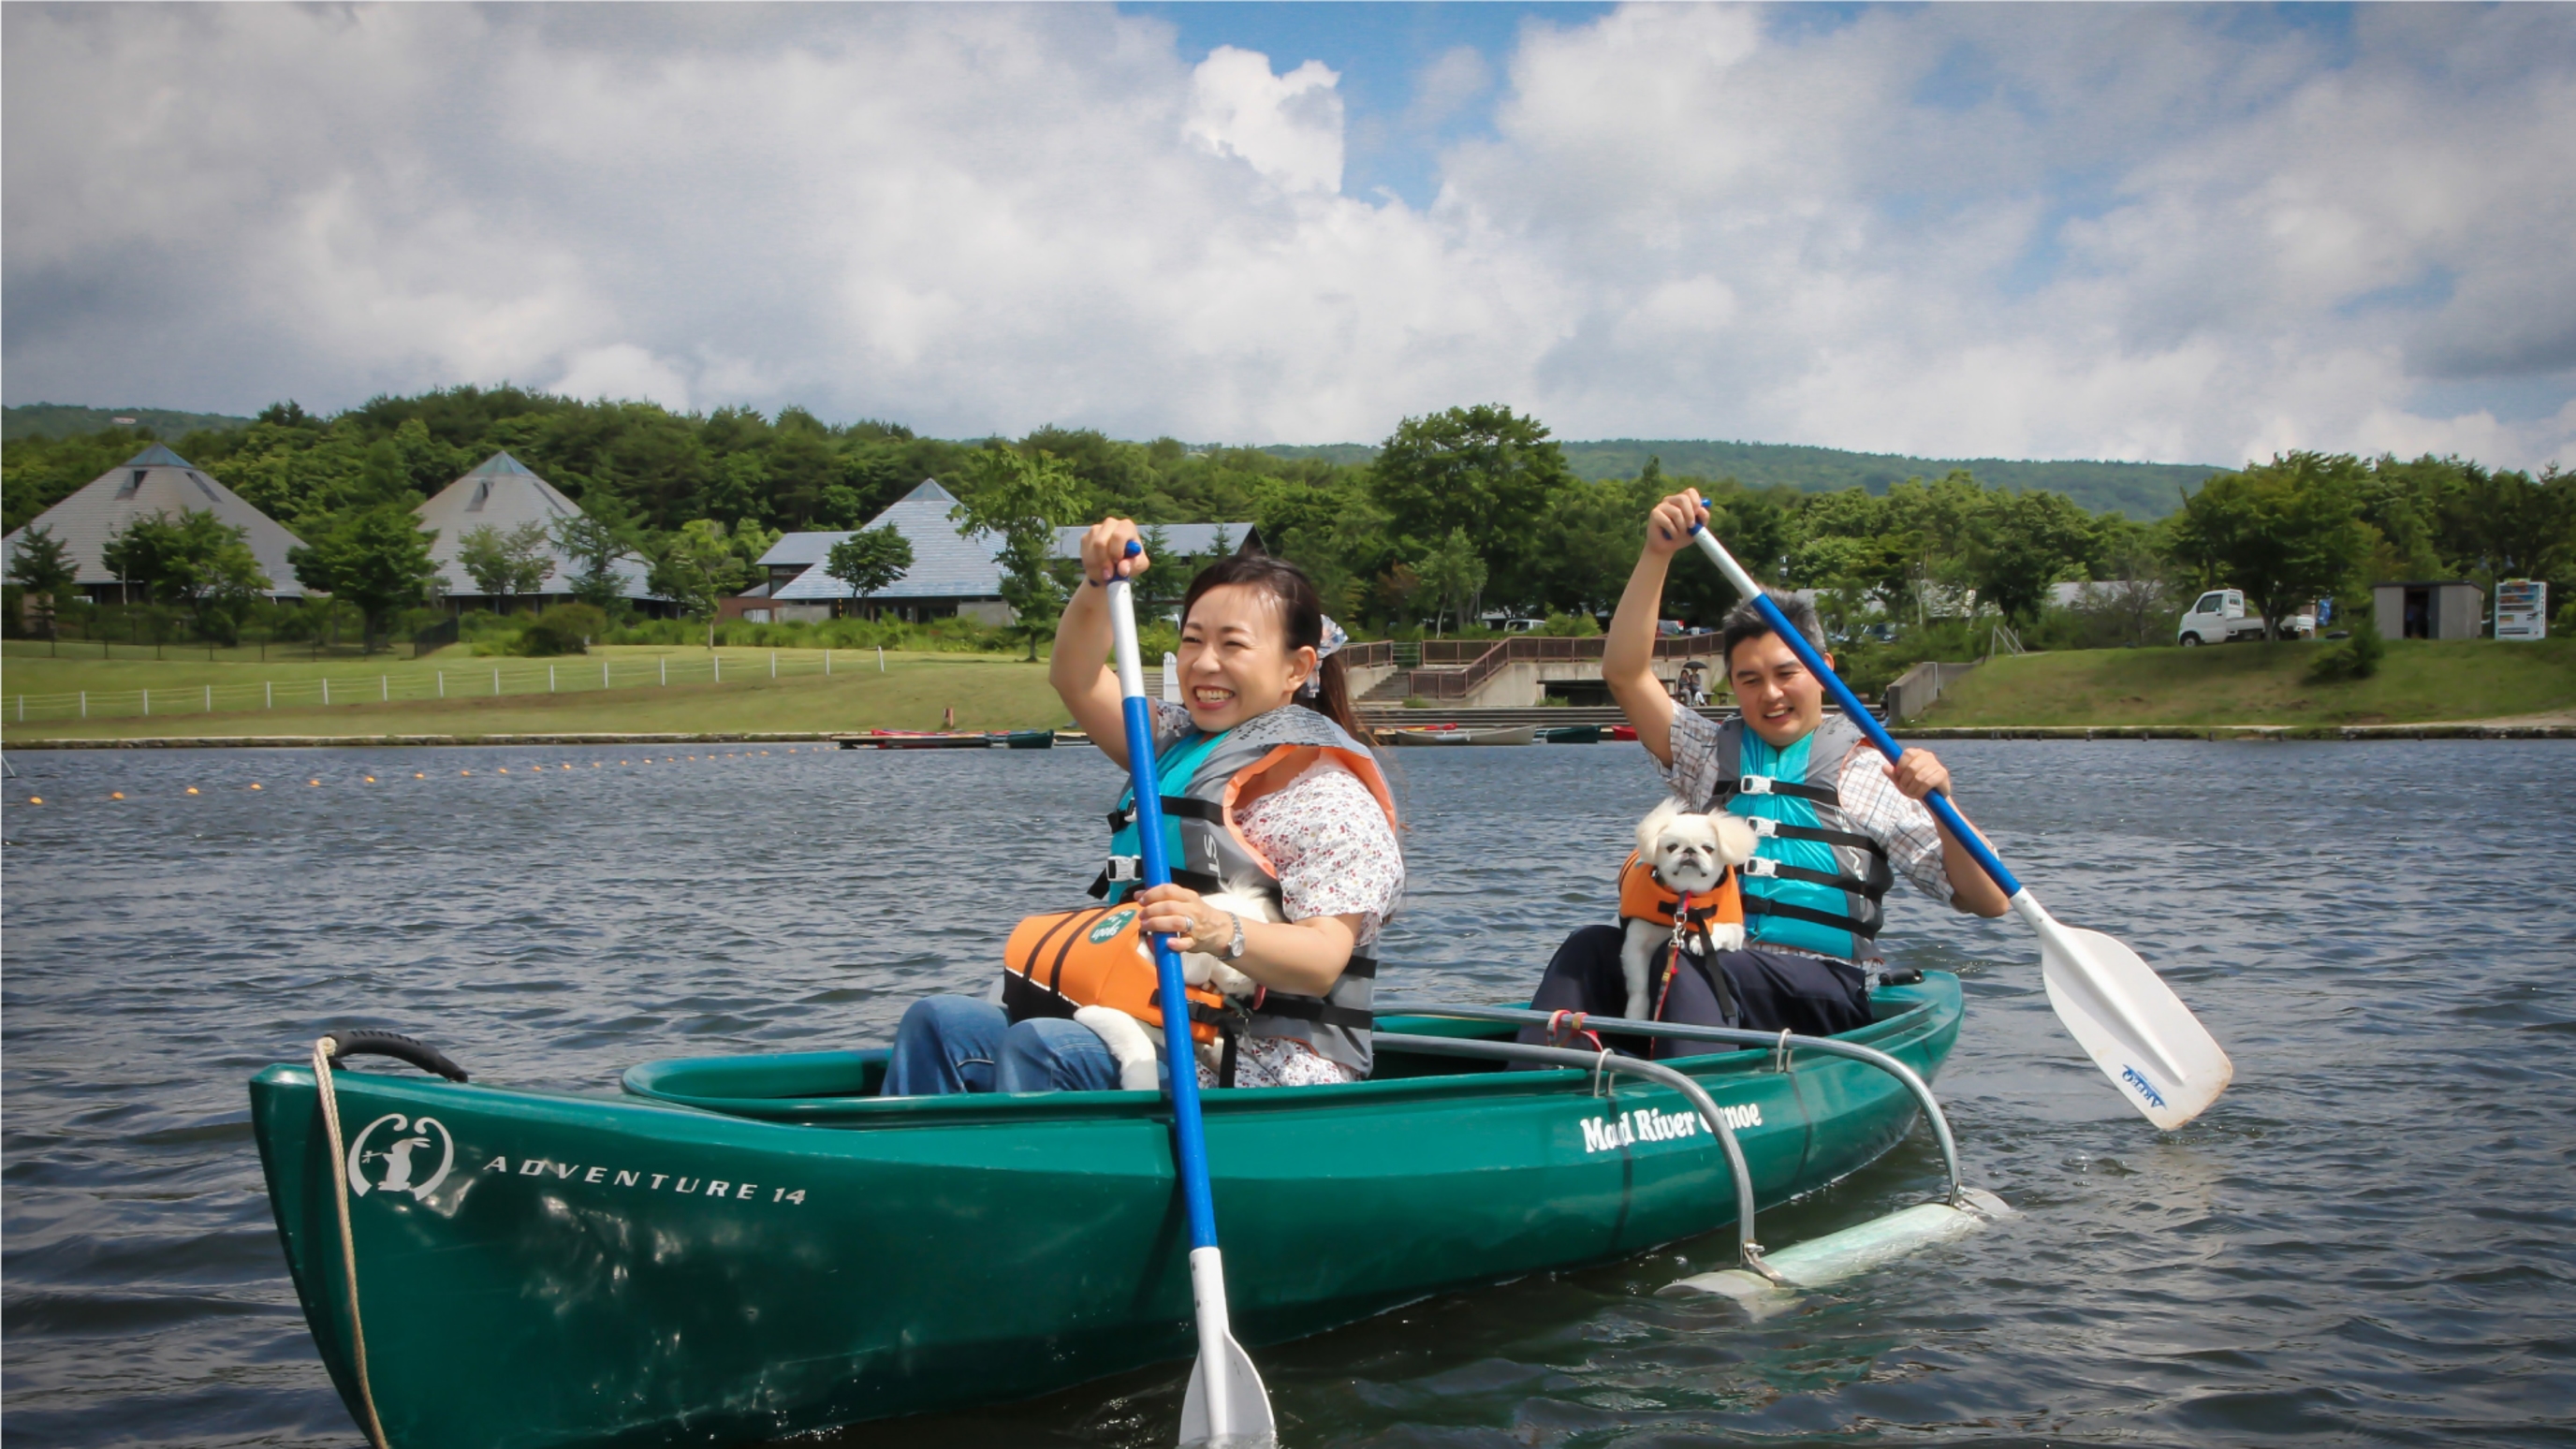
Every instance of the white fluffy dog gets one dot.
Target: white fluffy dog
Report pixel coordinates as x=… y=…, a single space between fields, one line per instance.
x=1689 y=854
x=1132 y=1042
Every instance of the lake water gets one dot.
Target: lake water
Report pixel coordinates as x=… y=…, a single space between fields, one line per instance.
x=2371 y=1238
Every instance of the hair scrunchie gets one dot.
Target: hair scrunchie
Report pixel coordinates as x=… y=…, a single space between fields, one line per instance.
x=1327 y=644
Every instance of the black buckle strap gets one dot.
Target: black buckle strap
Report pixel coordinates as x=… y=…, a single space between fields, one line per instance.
x=1182 y=807
x=1785 y=831
x=1756 y=906
x=1765 y=869
x=1769 y=785
x=1316 y=1010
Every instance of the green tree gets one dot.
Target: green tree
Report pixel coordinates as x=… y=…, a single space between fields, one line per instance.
x=1022 y=498
x=596 y=541
x=2026 y=542
x=42 y=565
x=376 y=559
x=1484 y=469
x=506 y=565
x=2285 y=531
x=697 y=567
x=194 y=561
x=868 y=561
x=1594 y=531
x=1453 y=574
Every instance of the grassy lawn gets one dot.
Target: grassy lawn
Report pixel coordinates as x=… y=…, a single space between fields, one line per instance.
x=2265 y=684
x=987 y=691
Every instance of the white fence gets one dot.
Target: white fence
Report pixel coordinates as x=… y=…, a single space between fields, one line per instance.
x=560 y=676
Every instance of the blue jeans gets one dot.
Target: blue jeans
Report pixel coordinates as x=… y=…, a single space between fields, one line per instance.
x=959 y=1044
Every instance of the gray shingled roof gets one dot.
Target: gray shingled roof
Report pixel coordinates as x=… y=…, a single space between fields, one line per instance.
x=505 y=495
x=157 y=480
x=944 y=565
x=1188 y=540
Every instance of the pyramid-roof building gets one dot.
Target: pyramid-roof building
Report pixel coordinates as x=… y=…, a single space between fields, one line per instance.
x=503 y=493
x=157 y=480
x=945 y=565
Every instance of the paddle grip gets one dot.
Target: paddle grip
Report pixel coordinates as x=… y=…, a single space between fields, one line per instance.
x=1853 y=710
x=1188 y=1137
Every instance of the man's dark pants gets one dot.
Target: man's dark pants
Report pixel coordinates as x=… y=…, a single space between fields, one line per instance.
x=1764 y=991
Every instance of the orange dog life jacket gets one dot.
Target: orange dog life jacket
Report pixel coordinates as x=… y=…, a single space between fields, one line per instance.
x=1643 y=898
x=1092 y=957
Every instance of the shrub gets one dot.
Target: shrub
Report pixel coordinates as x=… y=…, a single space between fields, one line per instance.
x=2355 y=658
x=563 y=629
x=1570 y=626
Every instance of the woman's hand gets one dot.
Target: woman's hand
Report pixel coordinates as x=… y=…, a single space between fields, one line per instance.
x=1104 y=551
x=1190 y=922
x=1669 y=526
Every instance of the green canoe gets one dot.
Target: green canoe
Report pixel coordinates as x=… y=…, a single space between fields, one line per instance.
x=746 y=1248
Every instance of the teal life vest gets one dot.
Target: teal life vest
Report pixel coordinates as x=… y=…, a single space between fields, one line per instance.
x=1814 y=882
x=1199 y=776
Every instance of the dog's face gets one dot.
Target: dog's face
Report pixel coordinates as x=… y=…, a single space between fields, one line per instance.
x=1691 y=853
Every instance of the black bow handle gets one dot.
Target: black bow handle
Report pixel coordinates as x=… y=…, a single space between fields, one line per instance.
x=346 y=1044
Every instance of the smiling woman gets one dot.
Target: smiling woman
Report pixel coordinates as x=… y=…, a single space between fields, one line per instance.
x=1283 y=834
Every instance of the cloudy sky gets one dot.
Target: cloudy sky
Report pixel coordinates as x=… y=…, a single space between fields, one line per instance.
x=2092 y=231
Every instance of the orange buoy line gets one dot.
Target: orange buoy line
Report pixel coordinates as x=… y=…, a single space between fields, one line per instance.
x=315 y=782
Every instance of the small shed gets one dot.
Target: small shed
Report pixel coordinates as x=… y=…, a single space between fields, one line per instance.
x=2429 y=609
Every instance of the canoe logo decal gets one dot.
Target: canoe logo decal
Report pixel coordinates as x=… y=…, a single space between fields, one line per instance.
x=400 y=1160
x=2146 y=1089
x=1602 y=1134
x=548 y=1171
x=1110 y=925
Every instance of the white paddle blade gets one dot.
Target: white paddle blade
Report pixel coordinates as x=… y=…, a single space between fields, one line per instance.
x=2129 y=1021
x=1247 y=1403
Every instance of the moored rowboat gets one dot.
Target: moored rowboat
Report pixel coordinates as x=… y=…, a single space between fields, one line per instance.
x=1453 y=735
x=917 y=740
x=746 y=1248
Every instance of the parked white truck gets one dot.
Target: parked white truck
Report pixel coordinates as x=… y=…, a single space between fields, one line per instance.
x=2219 y=617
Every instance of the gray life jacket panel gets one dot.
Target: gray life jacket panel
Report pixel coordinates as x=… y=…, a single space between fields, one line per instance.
x=1208 y=855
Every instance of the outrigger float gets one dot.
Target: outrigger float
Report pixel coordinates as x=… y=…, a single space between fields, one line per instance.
x=744 y=1248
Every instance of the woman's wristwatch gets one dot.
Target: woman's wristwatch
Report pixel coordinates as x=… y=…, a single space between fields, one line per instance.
x=1234 y=948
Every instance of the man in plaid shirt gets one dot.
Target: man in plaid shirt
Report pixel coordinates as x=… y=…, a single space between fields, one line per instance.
x=1845 y=824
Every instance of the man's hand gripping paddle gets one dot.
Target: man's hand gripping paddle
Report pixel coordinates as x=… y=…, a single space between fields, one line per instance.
x=2140 y=1034
x=1225 y=1404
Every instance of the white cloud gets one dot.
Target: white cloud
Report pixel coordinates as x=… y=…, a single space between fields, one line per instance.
x=2128 y=232
x=1288 y=126
x=623 y=370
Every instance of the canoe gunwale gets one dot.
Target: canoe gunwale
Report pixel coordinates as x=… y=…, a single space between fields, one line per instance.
x=653 y=1081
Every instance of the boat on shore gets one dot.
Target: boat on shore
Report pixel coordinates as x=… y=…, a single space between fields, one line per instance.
x=743 y=1249
x=1026 y=739
x=917 y=740
x=1458 y=735
x=1584 y=734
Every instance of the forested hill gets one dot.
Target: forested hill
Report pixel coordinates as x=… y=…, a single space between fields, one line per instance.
x=2143 y=491
x=64 y=420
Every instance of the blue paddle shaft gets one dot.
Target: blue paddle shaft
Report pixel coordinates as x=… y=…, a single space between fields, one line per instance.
x=1188 y=1136
x=1858 y=713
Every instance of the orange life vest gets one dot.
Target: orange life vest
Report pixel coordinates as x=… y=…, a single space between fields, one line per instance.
x=1057 y=962
x=1093 y=957
x=1643 y=898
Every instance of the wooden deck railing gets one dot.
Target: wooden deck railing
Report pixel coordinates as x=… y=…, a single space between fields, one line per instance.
x=1454 y=668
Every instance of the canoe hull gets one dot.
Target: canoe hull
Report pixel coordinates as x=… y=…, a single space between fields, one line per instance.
x=577 y=1276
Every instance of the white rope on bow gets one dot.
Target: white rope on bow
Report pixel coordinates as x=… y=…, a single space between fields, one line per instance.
x=348 y=1239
